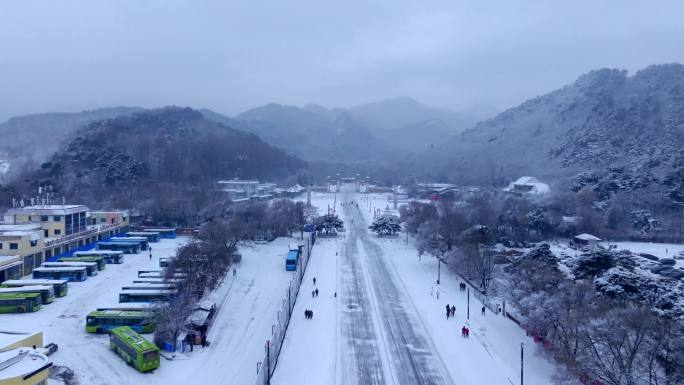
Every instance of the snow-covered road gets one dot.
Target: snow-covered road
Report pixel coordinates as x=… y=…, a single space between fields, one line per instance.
x=377 y=336
x=385 y=327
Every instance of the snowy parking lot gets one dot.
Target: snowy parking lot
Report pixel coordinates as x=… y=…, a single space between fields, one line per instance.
x=247 y=306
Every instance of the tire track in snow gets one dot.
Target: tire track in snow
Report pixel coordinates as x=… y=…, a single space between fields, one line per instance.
x=412 y=353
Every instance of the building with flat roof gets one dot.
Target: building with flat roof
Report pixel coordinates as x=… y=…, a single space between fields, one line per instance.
x=56 y=220
x=120 y=218
x=11 y=267
x=244 y=190
x=37 y=233
x=24 y=241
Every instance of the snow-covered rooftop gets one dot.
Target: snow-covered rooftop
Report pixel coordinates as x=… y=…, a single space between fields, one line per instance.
x=20 y=227
x=47 y=210
x=9 y=337
x=587 y=237
x=21 y=362
x=528 y=184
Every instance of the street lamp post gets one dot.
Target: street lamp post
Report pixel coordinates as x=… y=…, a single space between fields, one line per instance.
x=439 y=269
x=522 y=359
x=468 y=316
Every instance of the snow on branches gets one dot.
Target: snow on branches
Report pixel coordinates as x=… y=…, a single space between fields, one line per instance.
x=386 y=225
x=328 y=225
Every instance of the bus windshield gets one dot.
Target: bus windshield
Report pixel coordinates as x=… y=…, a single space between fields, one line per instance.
x=150 y=355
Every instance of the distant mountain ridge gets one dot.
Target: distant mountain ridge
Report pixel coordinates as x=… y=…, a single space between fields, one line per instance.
x=313 y=136
x=379 y=131
x=626 y=130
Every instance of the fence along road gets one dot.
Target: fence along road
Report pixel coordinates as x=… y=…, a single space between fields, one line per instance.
x=273 y=345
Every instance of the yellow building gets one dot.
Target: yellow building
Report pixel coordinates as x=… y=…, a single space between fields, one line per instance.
x=62 y=228
x=11 y=267
x=120 y=218
x=56 y=220
x=16 y=339
x=24 y=366
x=23 y=359
x=24 y=241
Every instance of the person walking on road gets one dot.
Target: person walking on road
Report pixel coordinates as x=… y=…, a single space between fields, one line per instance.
x=314 y=281
x=234 y=272
x=448 y=311
x=463 y=331
x=453 y=310
x=313 y=293
x=483 y=310
x=316 y=292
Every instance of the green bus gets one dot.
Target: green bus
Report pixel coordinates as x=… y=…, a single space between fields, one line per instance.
x=105 y=320
x=45 y=292
x=128 y=295
x=19 y=302
x=109 y=256
x=93 y=258
x=134 y=349
x=60 y=286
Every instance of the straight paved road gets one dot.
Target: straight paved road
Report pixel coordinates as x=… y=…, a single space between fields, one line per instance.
x=380 y=325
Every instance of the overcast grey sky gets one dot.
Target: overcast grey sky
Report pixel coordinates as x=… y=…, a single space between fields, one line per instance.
x=235 y=54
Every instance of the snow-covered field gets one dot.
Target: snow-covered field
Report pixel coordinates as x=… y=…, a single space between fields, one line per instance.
x=247 y=306
x=386 y=325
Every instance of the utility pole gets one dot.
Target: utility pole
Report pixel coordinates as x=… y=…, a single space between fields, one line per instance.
x=468 y=316
x=268 y=362
x=439 y=269
x=522 y=359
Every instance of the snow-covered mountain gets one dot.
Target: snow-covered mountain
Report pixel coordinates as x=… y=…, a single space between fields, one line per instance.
x=625 y=131
x=312 y=135
x=378 y=131
x=30 y=139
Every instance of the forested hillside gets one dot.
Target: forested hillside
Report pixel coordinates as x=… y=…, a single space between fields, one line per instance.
x=30 y=139
x=164 y=159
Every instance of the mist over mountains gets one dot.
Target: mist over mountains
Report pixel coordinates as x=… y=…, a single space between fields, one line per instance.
x=377 y=131
x=608 y=129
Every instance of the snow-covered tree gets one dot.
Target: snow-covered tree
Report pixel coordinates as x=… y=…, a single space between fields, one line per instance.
x=430 y=241
x=328 y=225
x=594 y=263
x=386 y=224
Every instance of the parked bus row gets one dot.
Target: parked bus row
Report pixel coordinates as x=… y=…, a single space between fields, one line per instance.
x=28 y=295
